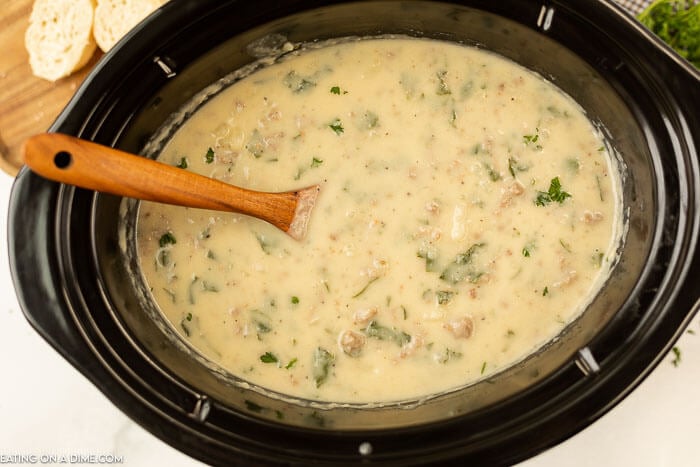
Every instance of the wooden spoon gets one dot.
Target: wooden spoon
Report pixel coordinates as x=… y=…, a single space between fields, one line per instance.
x=85 y=164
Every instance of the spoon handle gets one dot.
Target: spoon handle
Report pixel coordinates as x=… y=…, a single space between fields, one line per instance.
x=85 y=164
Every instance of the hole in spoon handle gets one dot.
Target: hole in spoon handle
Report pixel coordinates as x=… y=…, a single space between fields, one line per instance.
x=62 y=159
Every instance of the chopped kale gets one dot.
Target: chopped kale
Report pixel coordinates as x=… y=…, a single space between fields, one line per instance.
x=167 y=239
x=321 y=365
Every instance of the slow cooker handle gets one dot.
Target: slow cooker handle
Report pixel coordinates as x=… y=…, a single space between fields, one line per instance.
x=685 y=84
x=31 y=199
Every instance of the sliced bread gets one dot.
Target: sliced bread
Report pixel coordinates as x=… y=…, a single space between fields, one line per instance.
x=59 y=37
x=114 y=18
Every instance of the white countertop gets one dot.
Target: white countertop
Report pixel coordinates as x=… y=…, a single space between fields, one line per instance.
x=48 y=409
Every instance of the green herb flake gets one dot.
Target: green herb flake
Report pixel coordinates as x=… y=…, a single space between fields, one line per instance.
x=295 y=300
x=209 y=287
x=554 y=194
x=676 y=356
x=171 y=294
x=573 y=164
x=191 y=290
x=364 y=289
x=483 y=368
x=554 y=111
x=163 y=258
x=511 y=166
x=264 y=242
x=182 y=164
x=209 y=156
x=188 y=317
x=447 y=355
x=336 y=126
x=300 y=172
x=337 y=91
x=444 y=296
x=185 y=327
x=545 y=292
x=261 y=322
x=429 y=254
x=467 y=256
x=493 y=174
x=315 y=162
x=528 y=249
x=371 y=120
x=167 y=239
x=261 y=327
x=533 y=140
x=565 y=245
x=269 y=357
x=442 y=89
x=256 y=144
x=601 y=195
x=515 y=166
x=597 y=259
x=291 y=364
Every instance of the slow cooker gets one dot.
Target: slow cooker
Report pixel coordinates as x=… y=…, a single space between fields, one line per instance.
x=77 y=288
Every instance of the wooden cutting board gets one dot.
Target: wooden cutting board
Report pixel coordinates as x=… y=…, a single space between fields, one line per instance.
x=28 y=105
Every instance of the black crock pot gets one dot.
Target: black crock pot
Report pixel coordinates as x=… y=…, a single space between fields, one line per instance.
x=77 y=290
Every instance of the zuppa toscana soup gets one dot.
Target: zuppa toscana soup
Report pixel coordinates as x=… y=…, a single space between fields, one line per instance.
x=468 y=211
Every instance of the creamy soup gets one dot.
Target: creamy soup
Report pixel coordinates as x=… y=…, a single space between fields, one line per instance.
x=468 y=211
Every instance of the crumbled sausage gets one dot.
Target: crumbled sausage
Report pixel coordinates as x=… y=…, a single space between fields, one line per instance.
x=434 y=233
x=364 y=315
x=351 y=342
x=461 y=328
x=432 y=207
x=514 y=189
x=568 y=278
x=592 y=217
x=379 y=268
x=411 y=346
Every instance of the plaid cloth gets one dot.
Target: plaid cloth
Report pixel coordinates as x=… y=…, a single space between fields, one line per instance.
x=634 y=6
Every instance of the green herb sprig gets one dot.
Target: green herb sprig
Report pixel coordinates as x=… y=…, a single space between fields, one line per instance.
x=553 y=194
x=676 y=22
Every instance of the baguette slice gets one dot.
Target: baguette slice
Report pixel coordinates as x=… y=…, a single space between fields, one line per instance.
x=59 y=37
x=114 y=18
